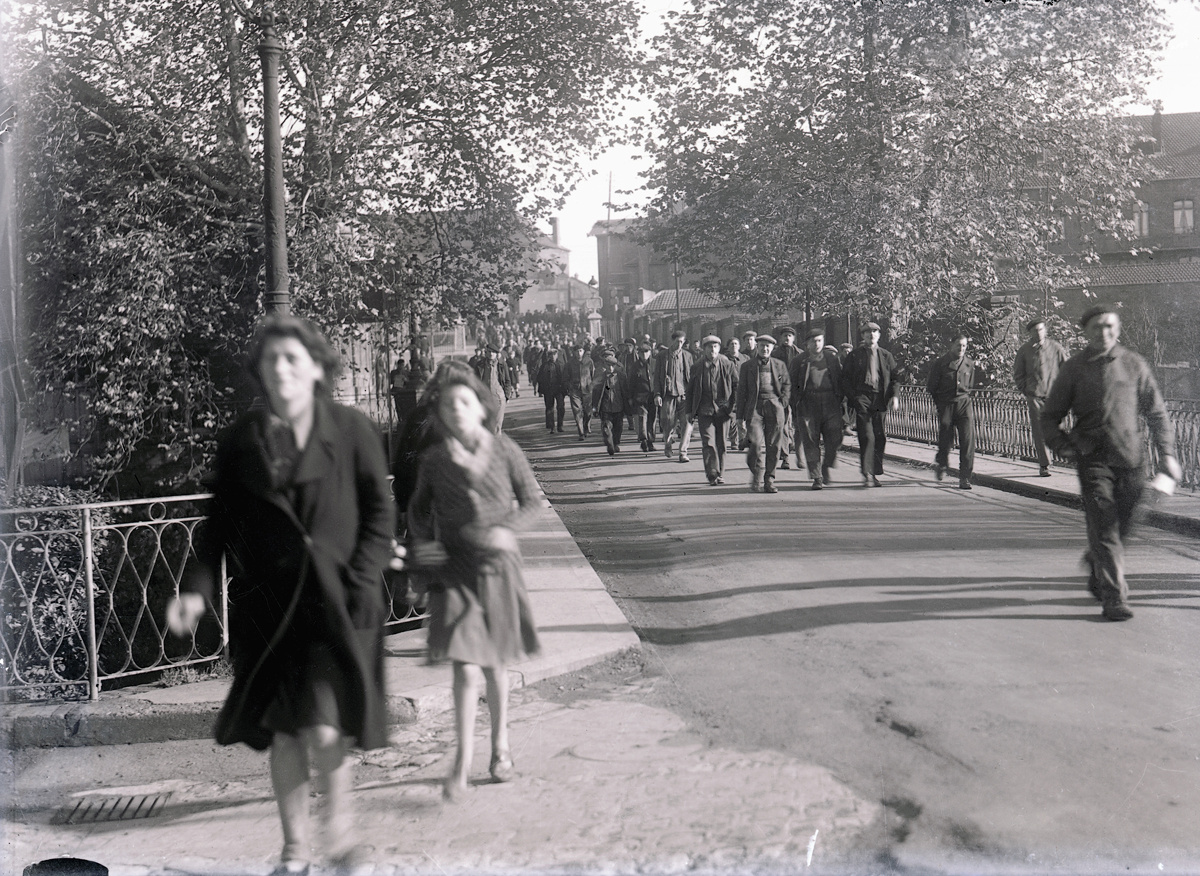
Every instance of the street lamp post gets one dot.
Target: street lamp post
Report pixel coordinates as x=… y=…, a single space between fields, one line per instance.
x=270 y=50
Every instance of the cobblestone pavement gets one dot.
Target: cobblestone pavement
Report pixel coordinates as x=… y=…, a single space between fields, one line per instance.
x=609 y=781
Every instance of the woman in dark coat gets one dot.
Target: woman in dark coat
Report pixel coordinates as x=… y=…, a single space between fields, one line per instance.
x=474 y=490
x=302 y=514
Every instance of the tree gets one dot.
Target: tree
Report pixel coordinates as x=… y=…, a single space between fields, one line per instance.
x=421 y=141
x=895 y=160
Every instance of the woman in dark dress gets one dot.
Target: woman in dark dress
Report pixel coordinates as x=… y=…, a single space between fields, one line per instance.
x=474 y=490
x=302 y=514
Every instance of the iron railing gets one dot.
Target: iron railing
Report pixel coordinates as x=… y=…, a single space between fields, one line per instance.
x=1002 y=426
x=84 y=590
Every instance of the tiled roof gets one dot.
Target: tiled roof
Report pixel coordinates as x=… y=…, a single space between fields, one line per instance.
x=1177 y=166
x=1144 y=274
x=689 y=299
x=1180 y=131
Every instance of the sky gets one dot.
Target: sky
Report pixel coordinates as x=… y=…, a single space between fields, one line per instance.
x=1178 y=88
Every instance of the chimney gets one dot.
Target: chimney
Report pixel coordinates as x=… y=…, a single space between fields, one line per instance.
x=554 y=229
x=1156 y=126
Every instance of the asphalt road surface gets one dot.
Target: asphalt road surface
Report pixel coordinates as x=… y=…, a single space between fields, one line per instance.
x=935 y=649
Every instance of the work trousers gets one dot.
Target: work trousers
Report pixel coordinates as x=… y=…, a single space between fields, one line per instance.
x=868 y=422
x=819 y=416
x=611 y=425
x=789 y=433
x=764 y=437
x=1110 y=499
x=643 y=418
x=555 y=400
x=674 y=420
x=1035 y=427
x=712 y=443
x=956 y=416
x=581 y=411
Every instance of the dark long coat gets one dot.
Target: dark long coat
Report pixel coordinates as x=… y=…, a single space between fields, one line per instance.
x=329 y=547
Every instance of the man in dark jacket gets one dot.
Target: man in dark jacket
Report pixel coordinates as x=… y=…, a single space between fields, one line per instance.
x=580 y=372
x=1109 y=389
x=711 y=396
x=951 y=379
x=817 y=405
x=552 y=387
x=641 y=394
x=1034 y=370
x=763 y=392
x=869 y=377
x=671 y=380
x=610 y=401
x=787 y=352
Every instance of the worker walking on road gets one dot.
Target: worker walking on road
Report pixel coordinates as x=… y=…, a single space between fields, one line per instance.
x=869 y=377
x=951 y=379
x=1107 y=387
x=763 y=391
x=817 y=405
x=1034 y=370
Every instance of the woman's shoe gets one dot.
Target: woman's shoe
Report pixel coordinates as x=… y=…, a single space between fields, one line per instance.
x=501 y=768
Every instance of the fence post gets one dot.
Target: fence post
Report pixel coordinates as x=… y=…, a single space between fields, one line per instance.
x=89 y=582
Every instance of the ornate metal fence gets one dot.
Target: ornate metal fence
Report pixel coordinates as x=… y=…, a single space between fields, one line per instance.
x=1002 y=426
x=84 y=590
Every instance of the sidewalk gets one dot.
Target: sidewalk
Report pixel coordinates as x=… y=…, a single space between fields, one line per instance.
x=578 y=621
x=1178 y=513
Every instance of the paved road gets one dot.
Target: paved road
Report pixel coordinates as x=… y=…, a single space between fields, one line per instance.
x=935 y=649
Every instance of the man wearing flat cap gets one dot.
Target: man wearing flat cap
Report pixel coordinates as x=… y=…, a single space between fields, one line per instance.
x=1107 y=387
x=951 y=379
x=869 y=377
x=817 y=406
x=740 y=356
x=552 y=387
x=580 y=371
x=610 y=401
x=641 y=394
x=487 y=367
x=787 y=352
x=711 y=396
x=1034 y=370
x=763 y=392
x=671 y=380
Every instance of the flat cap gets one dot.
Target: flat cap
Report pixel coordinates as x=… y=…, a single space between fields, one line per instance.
x=869 y=327
x=765 y=339
x=610 y=357
x=647 y=346
x=677 y=334
x=631 y=341
x=492 y=348
x=1094 y=311
x=710 y=339
x=816 y=333
x=1034 y=322
x=788 y=330
x=749 y=333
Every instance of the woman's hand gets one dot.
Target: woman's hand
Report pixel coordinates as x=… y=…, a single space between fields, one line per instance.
x=429 y=554
x=184 y=613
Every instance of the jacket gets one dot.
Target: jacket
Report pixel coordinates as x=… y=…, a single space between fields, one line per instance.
x=552 y=378
x=610 y=392
x=854 y=375
x=579 y=376
x=947 y=382
x=327 y=548
x=798 y=374
x=1035 y=368
x=660 y=370
x=747 y=386
x=723 y=387
x=641 y=381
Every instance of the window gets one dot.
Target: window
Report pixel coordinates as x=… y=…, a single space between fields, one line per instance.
x=1184 y=222
x=1141 y=219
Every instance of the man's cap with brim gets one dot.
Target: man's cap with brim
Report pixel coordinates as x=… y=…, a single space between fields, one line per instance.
x=710 y=339
x=787 y=330
x=610 y=357
x=646 y=346
x=677 y=334
x=1034 y=323
x=869 y=327
x=1094 y=311
x=764 y=339
x=749 y=333
x=816 y=333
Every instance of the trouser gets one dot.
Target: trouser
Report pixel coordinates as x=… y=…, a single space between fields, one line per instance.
x=643 y=418
x=674 y=422
x=819 y=416
x=611 y=425
x=501 y=404
x=581 y=412
x=868 y=422
x=1035 y=427
x=789 y=433
x=712 y=443
x=956 y=416
x=1110 y=498
x=737 y=435
x=764 y=437
x=555 y=400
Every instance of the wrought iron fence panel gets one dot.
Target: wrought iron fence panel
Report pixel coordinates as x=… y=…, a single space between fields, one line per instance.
x=1002 y=427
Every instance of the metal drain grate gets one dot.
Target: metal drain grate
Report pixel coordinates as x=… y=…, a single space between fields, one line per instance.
x=88 y=810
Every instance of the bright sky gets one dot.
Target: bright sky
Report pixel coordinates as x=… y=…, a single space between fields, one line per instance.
x=1177 y=89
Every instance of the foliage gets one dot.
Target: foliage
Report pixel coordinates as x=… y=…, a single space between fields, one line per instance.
x=904 y=160
x=421 y=139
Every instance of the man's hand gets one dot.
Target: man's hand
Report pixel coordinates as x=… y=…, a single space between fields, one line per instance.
x=184 y=613
x=894 y=403
x=429 y=554
x=397 y=562
x=1172 y=467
